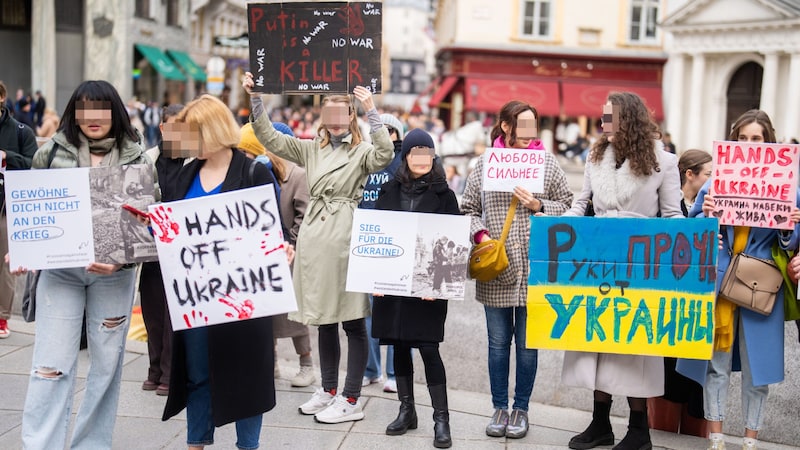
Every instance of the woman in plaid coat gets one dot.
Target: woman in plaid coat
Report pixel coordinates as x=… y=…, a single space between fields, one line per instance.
x=505 y=298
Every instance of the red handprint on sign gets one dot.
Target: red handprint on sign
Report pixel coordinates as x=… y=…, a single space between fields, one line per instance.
x=197 y=318
x=167 y=228
x=244 y=310
x=352 y=17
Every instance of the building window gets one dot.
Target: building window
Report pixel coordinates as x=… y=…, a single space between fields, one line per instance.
x=142 y=9
x=644 y=17
x=173 y=13
x=536 y=17
x=15 y=15
x=69 y=16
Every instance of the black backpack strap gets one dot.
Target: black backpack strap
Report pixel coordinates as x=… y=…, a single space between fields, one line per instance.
x=52 y=154
x=251 y=173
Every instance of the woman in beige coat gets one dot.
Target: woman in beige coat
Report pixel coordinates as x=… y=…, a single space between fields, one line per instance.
x=629 y=174
x=337 y=163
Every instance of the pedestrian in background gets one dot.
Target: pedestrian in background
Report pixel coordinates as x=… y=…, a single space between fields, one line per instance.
x=94 y=131
x=505 y=298
x=372 y=189
x=419 y=185
x=629 y=174
x=293 y=201
x=222 y=373
x=743 y=339
x=17 y=147
x=337 y=163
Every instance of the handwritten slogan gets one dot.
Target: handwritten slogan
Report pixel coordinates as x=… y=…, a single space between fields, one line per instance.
x=506 y=168
x=408 y=254
x=223 y=258
x=623 y=285
x=755 y=184
x=315 y=47
x=64 y=218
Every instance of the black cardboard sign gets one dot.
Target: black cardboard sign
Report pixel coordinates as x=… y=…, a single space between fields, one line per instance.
x=321 y=47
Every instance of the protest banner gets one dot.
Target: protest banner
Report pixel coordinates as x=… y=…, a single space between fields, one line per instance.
x=623 y=285
x=72 y=217
x=755 y=183
x=506 y=168
x=223 y=258
x=315 y=47
x=408 y=254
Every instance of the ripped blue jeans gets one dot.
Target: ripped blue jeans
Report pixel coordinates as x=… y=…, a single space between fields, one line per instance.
x=62 y=297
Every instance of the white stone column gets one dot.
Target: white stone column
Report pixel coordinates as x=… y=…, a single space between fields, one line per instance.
x=695 y=120
x=43 y=49
x=769 y=84
x=674 y=103
x=791 y=117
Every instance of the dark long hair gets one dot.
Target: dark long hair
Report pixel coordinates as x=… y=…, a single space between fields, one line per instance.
x=758 y=116
x=634 y=140
x=103 y=91
x=508 y=114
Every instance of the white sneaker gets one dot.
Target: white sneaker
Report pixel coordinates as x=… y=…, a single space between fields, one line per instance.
x=749 y=446
x=716 y=444
x=390 y=385
x=305 y=377
x=366 y=381
x=319 y=401
x=340 y=411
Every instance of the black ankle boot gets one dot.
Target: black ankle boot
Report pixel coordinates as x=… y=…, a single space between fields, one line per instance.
x=407 y=417
x=638 y=435
x=441 y=416
x=599 y=431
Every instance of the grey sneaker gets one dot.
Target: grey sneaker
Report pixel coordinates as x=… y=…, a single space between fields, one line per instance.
x=517 y=424
x=497 y=426
x=305 y=377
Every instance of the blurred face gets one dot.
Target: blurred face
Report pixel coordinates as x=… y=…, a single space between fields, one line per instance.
x=752 y=132
x=93 y=118
x=336 y=118
x=420 y=161
x=610 y=120
x=695 y=181
x=526 y=130
x=182 y=140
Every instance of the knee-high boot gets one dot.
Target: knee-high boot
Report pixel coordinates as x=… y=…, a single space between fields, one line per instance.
x=599 y=431
x=638 y=436
x=441 y=416
x=407 y=417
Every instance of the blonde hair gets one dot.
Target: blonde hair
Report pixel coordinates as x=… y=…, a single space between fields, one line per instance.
x=218 y=127
x=355 y=131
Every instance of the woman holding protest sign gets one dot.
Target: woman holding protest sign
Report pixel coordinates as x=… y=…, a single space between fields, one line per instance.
x=94 y=131
x=222 y=373
x=628 y=174
x=418 y=186
x=337 y=163
x=505 y=298
x=743 y=336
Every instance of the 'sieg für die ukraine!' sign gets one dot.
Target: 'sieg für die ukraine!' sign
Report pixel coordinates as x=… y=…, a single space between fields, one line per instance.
x=755 y=183
x=315 y=47
x=623 y=285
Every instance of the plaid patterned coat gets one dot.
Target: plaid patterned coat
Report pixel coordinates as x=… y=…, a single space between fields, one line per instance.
x=488 y=212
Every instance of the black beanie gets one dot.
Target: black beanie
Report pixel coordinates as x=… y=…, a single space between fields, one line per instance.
x=416 y=138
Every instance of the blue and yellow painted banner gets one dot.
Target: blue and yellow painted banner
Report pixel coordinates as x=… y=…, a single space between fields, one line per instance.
x=623 y=285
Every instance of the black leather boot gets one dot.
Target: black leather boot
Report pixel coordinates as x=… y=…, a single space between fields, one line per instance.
x=638 y=435
x=441 y=416
x=407 y=417
x=599 y=431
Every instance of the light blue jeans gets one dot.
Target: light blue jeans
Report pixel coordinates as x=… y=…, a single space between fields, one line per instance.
x=502 y=324
x=62 y=297
x=199 y=421
x=374 y=356
x=715 y=393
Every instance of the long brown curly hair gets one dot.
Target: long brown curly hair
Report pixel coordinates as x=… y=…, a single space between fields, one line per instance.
x=634 y=139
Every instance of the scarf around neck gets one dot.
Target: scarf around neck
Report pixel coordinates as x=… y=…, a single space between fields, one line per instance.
x=98 y=147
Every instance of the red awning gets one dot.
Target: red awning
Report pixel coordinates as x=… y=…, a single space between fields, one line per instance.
x=442 y=91
x=490 y=94
x=587 y=99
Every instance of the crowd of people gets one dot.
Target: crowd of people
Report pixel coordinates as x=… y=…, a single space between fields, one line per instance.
x=323 y=164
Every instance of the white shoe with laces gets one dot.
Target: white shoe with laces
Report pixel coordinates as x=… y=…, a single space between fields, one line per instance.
x=305 y=377
x=340 y=411
x=390 y=385
x=716 y=444
x=366 y=381
x=320 y=400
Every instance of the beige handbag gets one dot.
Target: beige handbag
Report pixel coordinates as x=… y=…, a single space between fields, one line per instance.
x=751 y=283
